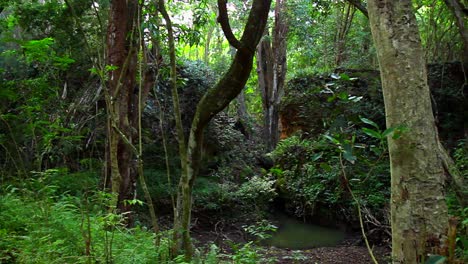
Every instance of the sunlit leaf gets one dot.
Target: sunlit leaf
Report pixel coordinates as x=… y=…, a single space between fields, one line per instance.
x=345 y=77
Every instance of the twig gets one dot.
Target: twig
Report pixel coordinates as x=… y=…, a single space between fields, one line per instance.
x=361 y=223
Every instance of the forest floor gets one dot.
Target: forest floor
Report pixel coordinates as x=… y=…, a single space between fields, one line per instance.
x=351 y=250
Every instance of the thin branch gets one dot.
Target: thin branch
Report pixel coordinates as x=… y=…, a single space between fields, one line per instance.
x=175 y=95
x=223 y=20
x=358 y=206
x=359 y=5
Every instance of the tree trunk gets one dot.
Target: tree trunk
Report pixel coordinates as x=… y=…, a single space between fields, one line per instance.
x=418 y=210
x=243 y=114
x=214 y=101
x=209 y=36
x=271 y=68
x=457 y=9
x=122 y=99
x=265 y=84
x=344 y=22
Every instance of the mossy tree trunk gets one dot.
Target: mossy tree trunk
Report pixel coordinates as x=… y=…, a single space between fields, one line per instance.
x=214 y=101
x=418 y=209
x=124 y=100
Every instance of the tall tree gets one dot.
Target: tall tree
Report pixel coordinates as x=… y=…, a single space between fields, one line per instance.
x=418 y=210
x=344 y=21
x=271 y=68
x=212 y=102
x=460 y=12
x=123 y=97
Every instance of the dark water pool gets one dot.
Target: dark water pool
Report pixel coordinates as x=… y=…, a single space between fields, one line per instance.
x=294 y=234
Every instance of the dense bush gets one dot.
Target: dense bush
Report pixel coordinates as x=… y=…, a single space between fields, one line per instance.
x=311 y=182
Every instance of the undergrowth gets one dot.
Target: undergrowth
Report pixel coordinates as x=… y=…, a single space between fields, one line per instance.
x=42 y=223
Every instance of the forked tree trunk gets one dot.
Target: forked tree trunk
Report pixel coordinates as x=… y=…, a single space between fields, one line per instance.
x=344 y=22
x=214 y=101
x=418 y=210
x=271 y=69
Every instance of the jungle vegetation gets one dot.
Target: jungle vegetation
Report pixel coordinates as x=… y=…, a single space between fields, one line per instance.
x=137 y=131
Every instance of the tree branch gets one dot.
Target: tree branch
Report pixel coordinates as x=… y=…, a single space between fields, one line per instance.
x=223 y=20
x=359 y=5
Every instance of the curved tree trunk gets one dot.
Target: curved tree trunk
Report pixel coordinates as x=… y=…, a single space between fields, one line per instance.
x=418 y=210
x=214 y=101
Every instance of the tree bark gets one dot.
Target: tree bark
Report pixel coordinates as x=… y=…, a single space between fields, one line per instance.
x=122 y=99
x=214 y=101
x=418 y=210
x=271 y=69
x=265 y=84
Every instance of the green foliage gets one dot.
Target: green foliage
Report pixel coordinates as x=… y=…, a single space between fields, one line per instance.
x=313 y=38
x=245 y=254
x=210 y=195
x=258 y=191
x=40 y=224
x=261 y=230
x=310 y=180
x=460 y=156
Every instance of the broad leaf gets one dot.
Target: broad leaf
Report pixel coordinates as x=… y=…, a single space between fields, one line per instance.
x=388 y=131
x=372 y=133
x=348 y=153
x=369 y=122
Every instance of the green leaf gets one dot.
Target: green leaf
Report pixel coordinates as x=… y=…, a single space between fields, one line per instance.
x=332 y=139
x=435 y=259
x=325 y=166
x=348 y=153
x=343 y=96
x=8 y=94
x=372 y=133
x=388 y=131
x=369 y=122
x=111 y=68
x=345 y=77
x=249 y=90
x=317 y=156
